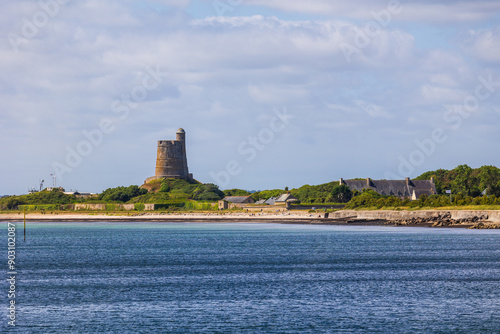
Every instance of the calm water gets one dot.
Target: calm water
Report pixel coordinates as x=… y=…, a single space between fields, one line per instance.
x=246 y=278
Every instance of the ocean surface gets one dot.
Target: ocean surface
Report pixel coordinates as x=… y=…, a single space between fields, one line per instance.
x=253 y=278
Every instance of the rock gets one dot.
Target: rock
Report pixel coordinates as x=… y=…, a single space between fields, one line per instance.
x=477 y=226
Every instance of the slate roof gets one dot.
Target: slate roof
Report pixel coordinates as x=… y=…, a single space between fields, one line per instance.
x=286 y=198
x=271 y=200
x=239 y=199
x=420 y=192
x=399 y=188
x=262 y=201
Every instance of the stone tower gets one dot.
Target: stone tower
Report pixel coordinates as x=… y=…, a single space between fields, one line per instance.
x=171 y=160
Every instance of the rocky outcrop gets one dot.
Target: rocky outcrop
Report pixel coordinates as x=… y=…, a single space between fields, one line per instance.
x=440 y=220
x=483 y=226
x=432 y=218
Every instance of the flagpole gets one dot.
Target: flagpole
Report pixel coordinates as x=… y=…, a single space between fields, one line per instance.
x=25 y=223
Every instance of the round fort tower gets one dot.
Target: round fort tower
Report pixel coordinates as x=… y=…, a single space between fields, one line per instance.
x=171 y=160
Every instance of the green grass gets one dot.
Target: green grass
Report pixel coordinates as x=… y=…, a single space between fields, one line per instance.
x=312 y=204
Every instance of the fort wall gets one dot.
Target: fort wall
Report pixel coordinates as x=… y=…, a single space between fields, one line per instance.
x=493 y=216
x=171 y=159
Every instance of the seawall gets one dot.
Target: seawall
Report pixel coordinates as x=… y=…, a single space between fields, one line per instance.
x=492 y=216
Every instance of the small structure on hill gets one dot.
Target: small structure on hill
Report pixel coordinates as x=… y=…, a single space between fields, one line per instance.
x=231 y=202
x=284 y=199
x=407 y=188
x=171 y=160
x=80 y=194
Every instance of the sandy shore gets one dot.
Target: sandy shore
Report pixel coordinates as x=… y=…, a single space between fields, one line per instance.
x=437 y=219
x=159 y=217
x=277 y=218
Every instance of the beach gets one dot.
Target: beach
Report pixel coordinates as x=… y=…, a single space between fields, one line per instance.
x=430 y=218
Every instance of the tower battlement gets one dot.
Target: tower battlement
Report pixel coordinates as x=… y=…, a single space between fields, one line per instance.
x=171 y=160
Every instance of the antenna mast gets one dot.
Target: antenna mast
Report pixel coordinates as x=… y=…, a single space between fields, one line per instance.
x=54 y=176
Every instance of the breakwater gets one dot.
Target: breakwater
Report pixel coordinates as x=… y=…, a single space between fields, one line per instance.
x=487 y=215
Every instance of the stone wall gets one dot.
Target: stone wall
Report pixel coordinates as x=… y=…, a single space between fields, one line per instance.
x=171 y=159
x=493 y=216
x=85 y=206
x=101 y=207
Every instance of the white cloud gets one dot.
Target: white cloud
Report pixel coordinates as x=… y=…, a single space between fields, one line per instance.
x=276 y=95
x=373 y=110
x=223 y=77
x=483 y=44
x=431 y=11
x=435 y=94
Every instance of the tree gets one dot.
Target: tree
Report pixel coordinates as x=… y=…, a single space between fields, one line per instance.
x=13 y=203
x=236 y=192
x=121 y=194
x=464 y=180
x=266 y=194
x=441 y=179
x=486 y=177
x=461 y=183
x=341 y=194
x=314 y=194
x=208 y=192
x=494 y=190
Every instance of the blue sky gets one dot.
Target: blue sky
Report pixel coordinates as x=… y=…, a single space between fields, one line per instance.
x=271 y=93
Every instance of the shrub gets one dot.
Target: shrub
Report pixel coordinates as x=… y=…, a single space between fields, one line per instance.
x=121 y=194
x=139 y=207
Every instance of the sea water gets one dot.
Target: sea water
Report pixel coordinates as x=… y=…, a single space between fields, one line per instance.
x=253 y=278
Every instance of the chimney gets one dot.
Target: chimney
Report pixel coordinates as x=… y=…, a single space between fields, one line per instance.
x=432 y=179
x=341 y=182
x=368 y=181
x=407 y=181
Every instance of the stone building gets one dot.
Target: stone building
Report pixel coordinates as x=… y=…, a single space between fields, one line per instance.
x=285 y=199
x=407 y=188
x=171 y=160
x=231 y=202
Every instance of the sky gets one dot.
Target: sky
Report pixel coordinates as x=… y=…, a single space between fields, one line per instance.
x=271 y=94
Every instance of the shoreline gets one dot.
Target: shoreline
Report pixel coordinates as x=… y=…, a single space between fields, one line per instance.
x=236 y=217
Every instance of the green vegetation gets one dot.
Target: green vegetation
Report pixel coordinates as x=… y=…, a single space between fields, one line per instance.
x=176 y=205
x=43 y=197
x=171 y=192
x=236 y=192
x=266 y=194
x=341 y=194
x=121 y=194
x=327 y=193
x=369 y=199
x=178 y=189
x=44 y=207
x=466 y=181
x=467 y=185
x=323 y=193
